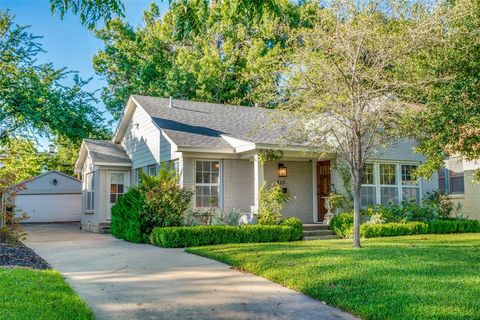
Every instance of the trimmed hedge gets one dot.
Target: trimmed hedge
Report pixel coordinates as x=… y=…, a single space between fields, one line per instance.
x=453 y=226
x=180 y=237
x=297 y=226
x=393 y=229
x=342 y=224
x=126 y=217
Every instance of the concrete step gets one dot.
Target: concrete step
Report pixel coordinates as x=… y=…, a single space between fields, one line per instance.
x=319 y=232
x=325 y=237
x=104 y=227
x=315 y=226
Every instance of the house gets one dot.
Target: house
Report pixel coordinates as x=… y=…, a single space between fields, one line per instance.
x=456 y=179
x=217 y=150
x=50 y=197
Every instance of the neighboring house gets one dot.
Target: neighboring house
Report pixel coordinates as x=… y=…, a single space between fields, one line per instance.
x=216 y=149
x=456 y=180
x=50 y=197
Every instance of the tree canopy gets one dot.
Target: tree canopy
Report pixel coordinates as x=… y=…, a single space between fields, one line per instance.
x=34 y=99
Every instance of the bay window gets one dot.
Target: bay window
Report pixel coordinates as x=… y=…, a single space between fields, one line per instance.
x=383 y=183
x=207 y=183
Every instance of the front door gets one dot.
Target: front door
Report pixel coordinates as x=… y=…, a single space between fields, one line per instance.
x=323 y=187
x=117 y=188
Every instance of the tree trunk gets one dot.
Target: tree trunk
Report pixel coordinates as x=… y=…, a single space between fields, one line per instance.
x=357 y=184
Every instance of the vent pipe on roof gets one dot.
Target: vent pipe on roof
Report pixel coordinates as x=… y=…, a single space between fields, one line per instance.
x=170 y=104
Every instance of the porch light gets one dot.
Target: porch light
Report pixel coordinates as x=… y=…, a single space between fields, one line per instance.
x=282 y=170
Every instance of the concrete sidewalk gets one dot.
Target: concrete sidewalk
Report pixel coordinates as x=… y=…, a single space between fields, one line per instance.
x=122 y=280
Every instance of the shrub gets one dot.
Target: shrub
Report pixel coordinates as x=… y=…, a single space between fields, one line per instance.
x=270 y=203
x=165 y=200
x=126 y=217
x=178 y=237
x=342 y=224
x=296 y=225
x=453 y=226
x=393 y=229
x=12 y=230
x=226 y=218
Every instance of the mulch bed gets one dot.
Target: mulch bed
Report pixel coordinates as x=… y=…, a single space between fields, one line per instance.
x=19 y=255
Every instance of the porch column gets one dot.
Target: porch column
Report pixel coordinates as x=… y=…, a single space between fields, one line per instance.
x=258 y=180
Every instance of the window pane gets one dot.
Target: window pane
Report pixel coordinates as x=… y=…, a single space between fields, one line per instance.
x=205 y=177
x=388 y=174
x=113 y=188
x=411 y=194
x=113 y=198
x=198 y=191
x=457 y=185
x=407 y=175
x=206 y=166
x=388 y=194
x=198 y=178
x=120 y=188
x=368 y=197
x=368 y=174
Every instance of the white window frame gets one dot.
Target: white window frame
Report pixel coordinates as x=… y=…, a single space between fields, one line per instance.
x=218 y=184
x=154 y=167
x=398 y=180
x=137 y=176
x=110 y=183
x=90 y=191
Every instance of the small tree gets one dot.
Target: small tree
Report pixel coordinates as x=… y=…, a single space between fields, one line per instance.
x=271 y=201
x=348 y=72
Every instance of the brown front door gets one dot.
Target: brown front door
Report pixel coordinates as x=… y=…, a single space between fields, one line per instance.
x=323 y=187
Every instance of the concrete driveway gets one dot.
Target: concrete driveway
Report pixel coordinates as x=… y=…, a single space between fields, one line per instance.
x=122 y=280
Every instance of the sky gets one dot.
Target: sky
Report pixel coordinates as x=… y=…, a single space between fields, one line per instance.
x=67 y=42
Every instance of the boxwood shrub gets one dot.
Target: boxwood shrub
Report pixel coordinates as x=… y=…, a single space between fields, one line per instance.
x=126 y=217
x=393 y=229
x=453 y=226
x=179 y=237
x=297 y=227
x=342 y=224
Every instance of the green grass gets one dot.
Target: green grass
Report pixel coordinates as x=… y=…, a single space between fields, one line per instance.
x=39 y=294
x=412 y=277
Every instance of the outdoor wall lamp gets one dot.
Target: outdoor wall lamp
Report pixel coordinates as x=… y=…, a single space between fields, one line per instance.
x=282 y=170
x=55 y=182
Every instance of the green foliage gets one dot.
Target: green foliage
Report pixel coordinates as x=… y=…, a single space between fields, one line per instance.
x=165 y=200
x=434 y=275
x=393 y=229
x=90 y=11
x=34 y=97
x=342 y=224
x=39 y=294
x=127 y=217
x=178 y=237
x=267 y=155
x=226 y=218
x=270 y=203
x=296 y=225
x=453 y=226
x=207 y=51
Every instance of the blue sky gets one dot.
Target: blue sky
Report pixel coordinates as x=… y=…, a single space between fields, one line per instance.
x=67 y=43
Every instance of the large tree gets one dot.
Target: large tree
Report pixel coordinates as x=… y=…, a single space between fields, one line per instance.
x=218 y=51
x=34 y=99
x=348 y=74
x=450 y=122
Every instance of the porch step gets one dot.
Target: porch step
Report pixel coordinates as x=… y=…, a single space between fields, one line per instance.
x=316 y=231
x=104 y=227
x=325 y=237
x=314 y=226
x=319 y=232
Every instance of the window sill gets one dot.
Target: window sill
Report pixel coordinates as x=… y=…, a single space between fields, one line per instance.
x=456 y=196
x=89 y=212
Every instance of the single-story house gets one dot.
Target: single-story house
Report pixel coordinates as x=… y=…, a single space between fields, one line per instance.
x=457 y=181
x=217 y=151
x=50 y=197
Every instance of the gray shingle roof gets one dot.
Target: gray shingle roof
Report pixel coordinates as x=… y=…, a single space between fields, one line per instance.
x=201 y=124
x=104 y=151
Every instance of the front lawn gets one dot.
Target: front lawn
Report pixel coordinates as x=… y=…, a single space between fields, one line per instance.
x=38 y=294
x=413 y=277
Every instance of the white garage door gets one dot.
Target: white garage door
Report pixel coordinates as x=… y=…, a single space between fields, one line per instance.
x=50 y=207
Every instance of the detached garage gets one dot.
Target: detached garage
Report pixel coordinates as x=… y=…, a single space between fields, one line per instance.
x=50 y=197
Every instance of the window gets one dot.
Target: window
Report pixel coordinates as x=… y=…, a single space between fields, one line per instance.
x=451 y=179
x=90 y=187
x=207 y=178
x=368 y=194
x=410 y=187
x=138 y=179
x=383 y=183
x=116 y=186
x=388 y=183
x=152 y=170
